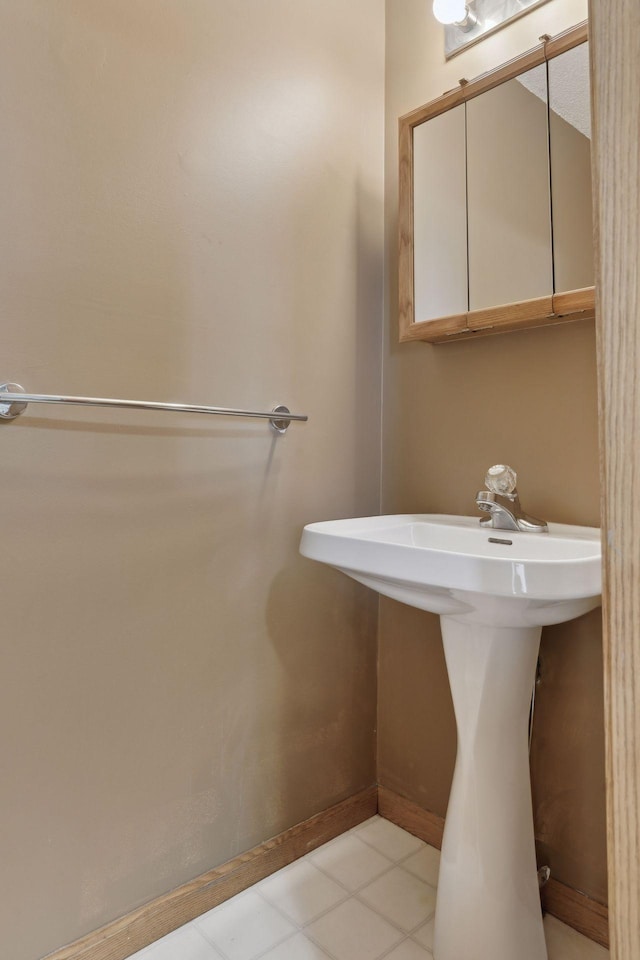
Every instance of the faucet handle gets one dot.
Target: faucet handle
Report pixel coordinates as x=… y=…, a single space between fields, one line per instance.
x=501 y=479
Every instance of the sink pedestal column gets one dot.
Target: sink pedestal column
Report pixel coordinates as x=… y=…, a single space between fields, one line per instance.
x=488 y=898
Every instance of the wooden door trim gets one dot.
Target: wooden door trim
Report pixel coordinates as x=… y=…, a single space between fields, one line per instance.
x=615 y=69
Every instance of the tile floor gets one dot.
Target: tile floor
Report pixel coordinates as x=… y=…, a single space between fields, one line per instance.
x=368 y=895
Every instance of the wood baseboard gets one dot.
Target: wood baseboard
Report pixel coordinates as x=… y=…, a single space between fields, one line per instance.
x=123 y=937
x=577 y=910
x=408 y=815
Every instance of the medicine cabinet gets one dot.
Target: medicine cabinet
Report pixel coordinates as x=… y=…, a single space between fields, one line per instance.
x=495 y=199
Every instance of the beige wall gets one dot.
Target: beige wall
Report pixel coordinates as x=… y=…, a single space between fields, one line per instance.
x=572 y=217
x=450 y=411
x=192 y=210
x=509 y=228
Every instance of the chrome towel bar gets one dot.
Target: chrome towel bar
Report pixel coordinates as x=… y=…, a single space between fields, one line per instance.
x=14 y=401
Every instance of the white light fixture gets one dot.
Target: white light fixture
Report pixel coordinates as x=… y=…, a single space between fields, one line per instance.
x=468 y=21
x=455 y=12
x=449 y=11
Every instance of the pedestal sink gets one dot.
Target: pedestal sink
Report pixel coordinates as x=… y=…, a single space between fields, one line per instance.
x=494 y=591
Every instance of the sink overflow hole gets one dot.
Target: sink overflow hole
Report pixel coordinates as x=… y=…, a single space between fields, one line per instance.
x=507 y=543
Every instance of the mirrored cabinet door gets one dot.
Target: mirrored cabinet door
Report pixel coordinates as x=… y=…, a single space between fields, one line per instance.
x=510 y=256
x=570 y=144
x=440 y=216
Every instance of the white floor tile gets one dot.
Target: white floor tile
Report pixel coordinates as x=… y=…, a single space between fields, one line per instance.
x=563 y=943
x=245 y=927
x=184 y=944
x=424 y=864
x=390 y=840
x=409 y=951
x=350 y=861
x=363 y=896
x=365 y=823
x=400 y=897
x=424 y=935
x=302 y=892
x=296 y=948
x=354 y=932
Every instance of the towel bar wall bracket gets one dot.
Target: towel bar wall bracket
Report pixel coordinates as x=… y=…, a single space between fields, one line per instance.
x=14 y=401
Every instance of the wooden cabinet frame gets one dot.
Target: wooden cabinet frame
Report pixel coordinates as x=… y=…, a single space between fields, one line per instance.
x=555 y=308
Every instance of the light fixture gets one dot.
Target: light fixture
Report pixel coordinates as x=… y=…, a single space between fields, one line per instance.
x=469 y=21
x=456 y=12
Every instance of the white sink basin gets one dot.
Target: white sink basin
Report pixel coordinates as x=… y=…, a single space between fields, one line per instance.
x=494 y=591
x=452 y=565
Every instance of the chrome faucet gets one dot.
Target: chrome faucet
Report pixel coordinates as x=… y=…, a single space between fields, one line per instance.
x=502 y=502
